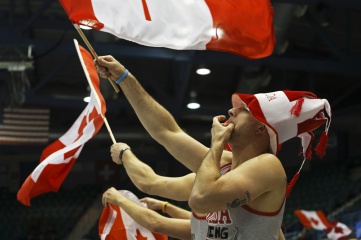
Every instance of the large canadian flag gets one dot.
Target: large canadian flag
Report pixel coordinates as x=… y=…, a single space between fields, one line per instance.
x=313 y=219
x=115 y=223
x=59 y=157
x=242 y=27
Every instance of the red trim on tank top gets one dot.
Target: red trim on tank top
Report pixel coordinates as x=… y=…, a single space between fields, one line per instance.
x=198 y=217
x=249 y=209
x=226 y=165
x=269 y=214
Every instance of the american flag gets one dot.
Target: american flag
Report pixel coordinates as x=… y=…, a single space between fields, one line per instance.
x=24 y=125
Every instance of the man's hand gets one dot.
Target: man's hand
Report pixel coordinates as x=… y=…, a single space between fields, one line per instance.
x=152 y=203
x=109 y=67
x=115 y=150
x=221 y=132
x=112 y=196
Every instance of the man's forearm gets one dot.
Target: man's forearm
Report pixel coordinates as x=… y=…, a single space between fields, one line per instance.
x=177 y=212
x=144 y=216
x=151 y=220
x=140 y=173
x=154 y=117
x=206 y=176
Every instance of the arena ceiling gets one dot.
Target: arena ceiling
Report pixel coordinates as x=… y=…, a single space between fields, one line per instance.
x=318 y=49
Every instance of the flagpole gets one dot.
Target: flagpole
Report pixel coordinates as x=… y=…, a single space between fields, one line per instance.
x=91 y=49
x=109 y=130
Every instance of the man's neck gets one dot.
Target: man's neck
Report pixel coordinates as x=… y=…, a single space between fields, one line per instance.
x=241 y=155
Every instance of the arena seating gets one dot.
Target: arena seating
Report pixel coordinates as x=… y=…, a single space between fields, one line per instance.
x=51 y=216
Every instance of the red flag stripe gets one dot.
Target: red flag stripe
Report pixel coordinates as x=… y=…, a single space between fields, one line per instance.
x=146 y=10
x=92 y=77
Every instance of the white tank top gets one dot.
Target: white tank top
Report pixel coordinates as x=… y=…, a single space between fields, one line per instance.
x=237 y=223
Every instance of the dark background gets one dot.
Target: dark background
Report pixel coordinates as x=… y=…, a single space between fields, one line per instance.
x=318 y=49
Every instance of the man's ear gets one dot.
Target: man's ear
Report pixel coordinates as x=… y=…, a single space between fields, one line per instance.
x=261 y=129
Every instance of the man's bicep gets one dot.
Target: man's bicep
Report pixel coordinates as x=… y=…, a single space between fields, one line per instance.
x=236 y=188
x=248 y=181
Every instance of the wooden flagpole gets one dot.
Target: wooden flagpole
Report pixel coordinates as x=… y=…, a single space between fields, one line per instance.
x=108 y=128
x=91 y=49
x=112 y=82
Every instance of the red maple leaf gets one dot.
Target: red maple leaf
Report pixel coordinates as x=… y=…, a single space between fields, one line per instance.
x=338 y=230
x=139 y=236
x=314 y=221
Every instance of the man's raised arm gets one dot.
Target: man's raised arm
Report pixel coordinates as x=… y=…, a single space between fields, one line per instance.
x=159 y=123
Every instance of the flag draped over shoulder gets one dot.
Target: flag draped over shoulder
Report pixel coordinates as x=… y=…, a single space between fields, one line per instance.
x=115 y=223
x=59 y=157
x=243 y=27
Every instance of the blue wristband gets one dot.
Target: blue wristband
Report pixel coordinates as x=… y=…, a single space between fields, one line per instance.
x=121 y=78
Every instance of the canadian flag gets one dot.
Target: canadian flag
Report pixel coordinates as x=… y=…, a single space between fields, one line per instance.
x=338 y=231
x=313 y=219
x=243 y=27
x=115 y=223
x=59 y=157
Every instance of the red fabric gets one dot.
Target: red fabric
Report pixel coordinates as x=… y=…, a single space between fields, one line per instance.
x=292 y=184
x=93 y=80
x=52 y=176
x=310 y=125
x=321 y=146
x=247 y=27
x=112 y=227
x=81 y=12
x=296 y=109
x=59 y=157
x=117 y=228
x=294 y=95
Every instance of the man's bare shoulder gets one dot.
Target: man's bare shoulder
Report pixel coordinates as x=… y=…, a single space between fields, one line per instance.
x=264 y=163
x=267 y=158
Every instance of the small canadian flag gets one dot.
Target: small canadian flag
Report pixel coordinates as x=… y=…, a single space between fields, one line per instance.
x=115 y=223
x=313 y=219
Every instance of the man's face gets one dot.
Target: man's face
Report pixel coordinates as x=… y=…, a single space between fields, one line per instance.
x=243 y=120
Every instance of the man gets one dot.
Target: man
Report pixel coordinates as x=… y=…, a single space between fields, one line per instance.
x=146 y=180
x=248 y=201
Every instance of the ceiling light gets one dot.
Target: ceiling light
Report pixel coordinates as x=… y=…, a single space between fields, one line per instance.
x=193 y=103
x=203 y=71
